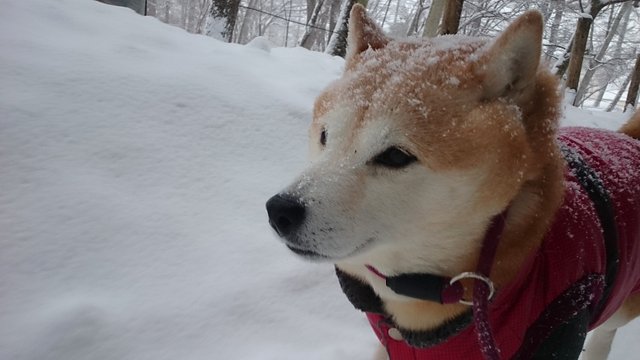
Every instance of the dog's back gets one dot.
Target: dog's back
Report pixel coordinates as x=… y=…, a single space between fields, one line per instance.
x=601 y=339
x=614 y=159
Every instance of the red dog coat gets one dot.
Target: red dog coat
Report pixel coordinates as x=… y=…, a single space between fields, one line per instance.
x=587 y=265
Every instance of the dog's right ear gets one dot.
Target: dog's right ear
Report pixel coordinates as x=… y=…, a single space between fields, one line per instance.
x=364 y=33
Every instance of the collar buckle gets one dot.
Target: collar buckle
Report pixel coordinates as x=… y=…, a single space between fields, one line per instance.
x=475 y=276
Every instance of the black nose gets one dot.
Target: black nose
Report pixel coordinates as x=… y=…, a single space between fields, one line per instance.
x=286 y=214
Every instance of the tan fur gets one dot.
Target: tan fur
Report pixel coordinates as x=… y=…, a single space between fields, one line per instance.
x=632 y=127
x=445 y=102
x=630 y=310
x=446 y=138
x=599 y=344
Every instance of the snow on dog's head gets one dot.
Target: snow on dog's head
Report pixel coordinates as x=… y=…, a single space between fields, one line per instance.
x=417 y=146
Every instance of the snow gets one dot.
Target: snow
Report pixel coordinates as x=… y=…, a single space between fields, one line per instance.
x=262 y=43
x=585 y=15
x=136 y=159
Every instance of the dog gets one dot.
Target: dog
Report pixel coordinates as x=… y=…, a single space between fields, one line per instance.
x=424 y=152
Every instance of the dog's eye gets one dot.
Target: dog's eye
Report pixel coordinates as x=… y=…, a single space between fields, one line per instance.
x=323 y=137
x=394 y=157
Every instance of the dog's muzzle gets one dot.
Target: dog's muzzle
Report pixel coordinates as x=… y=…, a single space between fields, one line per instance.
x=286 y=214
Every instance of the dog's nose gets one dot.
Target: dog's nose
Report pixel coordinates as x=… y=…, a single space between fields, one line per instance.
x=286 y=214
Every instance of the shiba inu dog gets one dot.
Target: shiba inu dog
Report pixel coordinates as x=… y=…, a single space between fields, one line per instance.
x=418 y=148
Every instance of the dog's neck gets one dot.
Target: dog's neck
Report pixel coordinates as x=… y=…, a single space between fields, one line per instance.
x=531 y=213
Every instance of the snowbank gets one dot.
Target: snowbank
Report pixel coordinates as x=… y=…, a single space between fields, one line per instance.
x=135 y=162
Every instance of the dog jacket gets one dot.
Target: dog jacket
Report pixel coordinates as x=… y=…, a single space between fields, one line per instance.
x=586 y=266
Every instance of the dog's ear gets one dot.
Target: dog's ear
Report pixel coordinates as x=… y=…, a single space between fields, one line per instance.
x=363 y=34
x=511 y=62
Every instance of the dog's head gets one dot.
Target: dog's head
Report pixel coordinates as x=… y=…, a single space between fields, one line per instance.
x=415 y=148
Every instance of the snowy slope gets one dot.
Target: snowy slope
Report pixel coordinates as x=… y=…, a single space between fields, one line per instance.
x=135 y=162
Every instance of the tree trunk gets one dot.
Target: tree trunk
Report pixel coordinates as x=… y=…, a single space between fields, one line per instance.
x=286 y=31
x=475 y=23
x=395 y=16
x=616 y=54
x=632 y=95
x=338 y=42
x=202 y=17
x=386 y=12
x=621 y=35
x=311 y=5
x=246 y=20
x=593 y=64
x=307 y=39
x=184 y=14
x=580 y=41
x=451 y=17
x=415 y=20
x=560 y=67
x=555 y=25
x=577 y=51
x=151 y=8
x=334 y=13
x=222 y=19
x=545 y=9
x=167 y=12
x=432 y=22
x=601 y=92
x=615 y=100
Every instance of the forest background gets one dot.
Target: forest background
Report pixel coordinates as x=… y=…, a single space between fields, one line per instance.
x=601 y=70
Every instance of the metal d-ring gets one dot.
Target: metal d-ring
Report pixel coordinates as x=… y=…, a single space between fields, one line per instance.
x=476 y=276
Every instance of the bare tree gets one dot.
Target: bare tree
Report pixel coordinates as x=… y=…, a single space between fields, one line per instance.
x=558 y=11
x=334 y=12
x=632 y=94
x=338 y=42
x=199 y=16
x=415 y=19
x=307 y=38
x=451 y=17
x=621 y=90
x=151 y=8
x=432 y=23
x=597 y=60
x=287 y=23
x=222 y=19
x=577 y=50
x=160 y=9
x=473 y=24
x=612 y=72
x=246 y=20
x=561 y=66
x=580 y=40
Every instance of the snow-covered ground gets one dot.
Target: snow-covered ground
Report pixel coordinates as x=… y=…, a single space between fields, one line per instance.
x=135 y=160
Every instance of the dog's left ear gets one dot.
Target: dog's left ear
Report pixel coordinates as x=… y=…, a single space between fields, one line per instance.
x=511 y=62
x=363 y=34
